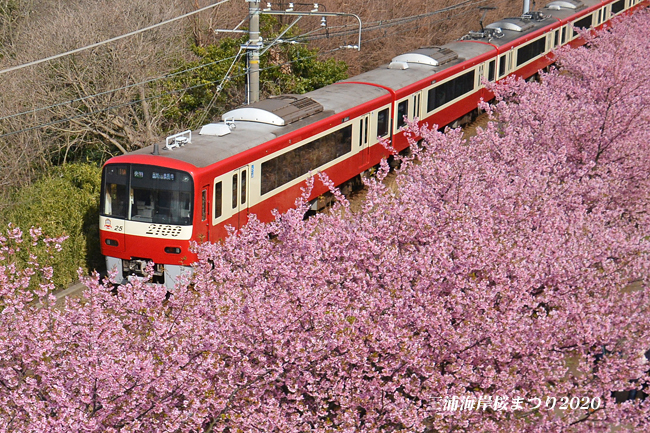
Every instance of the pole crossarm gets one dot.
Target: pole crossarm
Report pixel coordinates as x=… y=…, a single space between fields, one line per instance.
x=255 y=46
x=318 y=14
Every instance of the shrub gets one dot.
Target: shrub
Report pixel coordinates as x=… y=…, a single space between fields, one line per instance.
x=63 y=203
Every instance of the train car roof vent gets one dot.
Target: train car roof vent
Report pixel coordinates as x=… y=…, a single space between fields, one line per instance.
x=514 y=24
x=565 y=4
x=430 y=56
x=216 y=129
x=278 y=110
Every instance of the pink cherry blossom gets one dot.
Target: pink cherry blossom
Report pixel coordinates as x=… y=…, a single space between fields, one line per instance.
x=496 y=275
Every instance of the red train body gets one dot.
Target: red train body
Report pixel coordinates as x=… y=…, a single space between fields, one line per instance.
x=155 y=203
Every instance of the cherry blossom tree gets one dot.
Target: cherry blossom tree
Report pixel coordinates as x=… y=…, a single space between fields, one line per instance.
x=499 y=278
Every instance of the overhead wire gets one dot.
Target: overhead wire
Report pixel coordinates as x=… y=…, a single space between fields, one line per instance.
x=157 y=96
x=116 y=38
x=301 y=38
x=220 y=86
x=381 y=24
x=408 y=30
x=129 y=86
x=377 y=25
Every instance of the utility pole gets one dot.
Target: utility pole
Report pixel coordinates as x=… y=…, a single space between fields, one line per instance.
x=253 y=55
x=255 y=44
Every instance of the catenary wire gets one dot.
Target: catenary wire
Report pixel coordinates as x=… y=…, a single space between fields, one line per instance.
x=378 y=25
x=137 y=101
x=117 y=38
x=220 y=86
x=301 y=39
x=150 y=80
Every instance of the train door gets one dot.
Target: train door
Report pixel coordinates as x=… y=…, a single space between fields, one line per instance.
x=363 y=138
x=602 y=13
x=403 y=114
x=239 y=197
x=231 y=197
x=416 y=106
x=204 y=227
x=505 y=63
x=512 y=59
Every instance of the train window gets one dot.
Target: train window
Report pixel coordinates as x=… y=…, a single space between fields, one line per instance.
x=502 y=66
x=618 y=7
x=365 y=131
x=582 y=23
x=115 y=186
x=600 y=16
x=146 y=193
x=557 y=38
x=204 y=204
x=234 y=191
x=361 y=132
x=218 y=197
x=304 y=159
x=114 y=201
x=402 y=113
x=491 y=70
x=431 y=100
x=563 y=35
x=530 y=51
x=450 y=90
x=382 y=123
x=243 y=187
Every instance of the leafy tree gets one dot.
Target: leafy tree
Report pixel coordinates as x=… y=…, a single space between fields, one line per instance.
x=284 y=69
x=63 y=203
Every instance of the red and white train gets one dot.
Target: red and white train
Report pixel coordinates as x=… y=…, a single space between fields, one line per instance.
x=156 y=201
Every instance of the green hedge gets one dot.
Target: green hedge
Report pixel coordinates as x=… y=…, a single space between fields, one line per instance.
x=65 y=202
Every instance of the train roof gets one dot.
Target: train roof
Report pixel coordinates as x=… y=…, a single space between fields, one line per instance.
x=507 y=30
x=513 y=28
x=417 y=65
x=251 y=126
x=246 y=132
x=563 y=9
x=269 y=119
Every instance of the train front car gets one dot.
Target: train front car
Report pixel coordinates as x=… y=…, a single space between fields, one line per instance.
x=146 y=215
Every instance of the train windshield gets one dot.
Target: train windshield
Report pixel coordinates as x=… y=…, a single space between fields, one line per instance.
x=147 y=194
